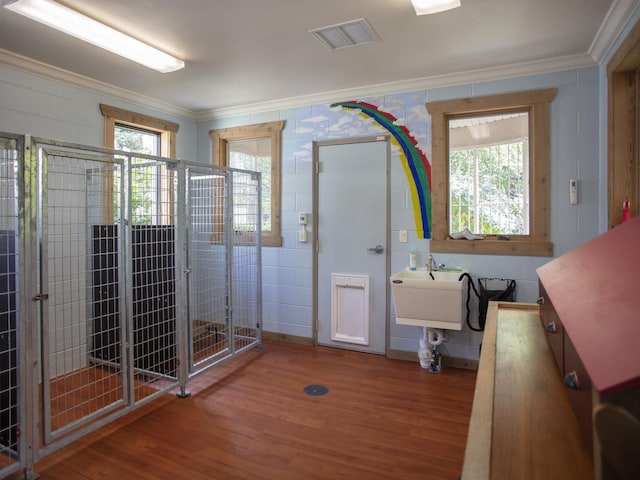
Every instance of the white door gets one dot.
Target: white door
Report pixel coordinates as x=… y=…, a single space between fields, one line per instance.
x=352 y=261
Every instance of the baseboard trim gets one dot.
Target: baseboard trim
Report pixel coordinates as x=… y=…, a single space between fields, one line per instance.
x=452 y=362
x=283 y=337
x=406 y=356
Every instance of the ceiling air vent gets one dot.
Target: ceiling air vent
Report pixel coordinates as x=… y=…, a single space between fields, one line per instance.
x=347 y=34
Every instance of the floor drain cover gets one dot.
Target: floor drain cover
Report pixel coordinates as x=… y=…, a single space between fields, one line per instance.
x=316 y=390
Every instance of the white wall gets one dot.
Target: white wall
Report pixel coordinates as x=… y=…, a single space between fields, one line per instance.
x=287 y=273
x=30 y=104
x=53 y=110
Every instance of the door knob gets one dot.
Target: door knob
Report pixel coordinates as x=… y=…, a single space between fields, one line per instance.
x=377 y=249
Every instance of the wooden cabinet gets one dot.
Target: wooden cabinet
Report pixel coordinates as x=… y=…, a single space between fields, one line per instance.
x=553 y=328
x=590 y=295
x=581 y=392
x=558 y=388
x=574 y=375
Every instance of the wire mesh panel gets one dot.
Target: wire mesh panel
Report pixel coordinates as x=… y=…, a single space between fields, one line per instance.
x=106 y=255
x=80 y=245
x=208 y=203
x=245 y=260
x=9 y=400
x=152 y=197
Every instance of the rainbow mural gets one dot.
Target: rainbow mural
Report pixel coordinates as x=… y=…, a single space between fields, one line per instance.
x=414 y=161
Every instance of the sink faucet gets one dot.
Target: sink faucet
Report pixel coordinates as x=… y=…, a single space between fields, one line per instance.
x=432 y=265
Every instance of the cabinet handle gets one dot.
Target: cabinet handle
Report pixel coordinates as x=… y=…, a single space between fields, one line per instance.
x=571 y=380
x=551 y=327
x=540 y=301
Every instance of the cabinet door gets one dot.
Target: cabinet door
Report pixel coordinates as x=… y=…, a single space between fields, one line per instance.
x=580 y=396
x=553 y=328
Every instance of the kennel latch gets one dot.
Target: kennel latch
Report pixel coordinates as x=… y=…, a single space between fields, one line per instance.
x=40 y=297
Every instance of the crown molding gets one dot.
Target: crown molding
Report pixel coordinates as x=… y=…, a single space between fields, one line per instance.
x=436 y=81
x=44 y=70
x=609 y=31
x=611 y=28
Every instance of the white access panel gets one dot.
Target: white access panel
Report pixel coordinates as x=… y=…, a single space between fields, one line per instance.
x=350 y=308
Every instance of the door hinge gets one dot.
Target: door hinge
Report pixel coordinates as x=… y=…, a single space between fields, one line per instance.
x=317 y=167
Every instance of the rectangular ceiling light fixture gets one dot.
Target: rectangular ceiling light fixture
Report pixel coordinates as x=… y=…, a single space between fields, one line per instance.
x=80 y=26
x=427 y=7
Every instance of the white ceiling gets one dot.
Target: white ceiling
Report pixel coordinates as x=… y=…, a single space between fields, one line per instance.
x=256 y=53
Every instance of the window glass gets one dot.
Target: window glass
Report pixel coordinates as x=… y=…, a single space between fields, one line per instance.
x=153 y=200
x=145 y=181
x=258 y=148
x=489 y=174
x=253 y=154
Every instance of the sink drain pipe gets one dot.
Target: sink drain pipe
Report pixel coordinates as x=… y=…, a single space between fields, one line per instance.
x=428 y=353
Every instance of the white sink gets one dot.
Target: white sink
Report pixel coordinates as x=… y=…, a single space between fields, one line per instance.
x=429 y=302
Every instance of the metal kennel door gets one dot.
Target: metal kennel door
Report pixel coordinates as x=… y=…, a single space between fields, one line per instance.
x=81 y=284
x=208 y=226
x=224 y=281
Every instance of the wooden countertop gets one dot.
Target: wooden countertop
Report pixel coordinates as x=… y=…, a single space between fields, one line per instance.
x=594 y=290
x=522 y=425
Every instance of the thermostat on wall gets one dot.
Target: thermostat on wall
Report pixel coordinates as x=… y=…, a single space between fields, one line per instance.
x=573 y=191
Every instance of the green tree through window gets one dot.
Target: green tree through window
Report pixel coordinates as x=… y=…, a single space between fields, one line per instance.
x=144 y=174
x=489 y=190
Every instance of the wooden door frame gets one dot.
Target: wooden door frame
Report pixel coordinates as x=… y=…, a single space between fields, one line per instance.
x=623 y=75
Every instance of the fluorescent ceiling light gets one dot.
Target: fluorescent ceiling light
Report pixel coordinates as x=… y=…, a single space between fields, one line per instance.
x=426 y=7
x=80 y=26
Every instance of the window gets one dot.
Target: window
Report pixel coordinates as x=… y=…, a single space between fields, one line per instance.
x=257 y=148
x=490 y=173
x=151 y=186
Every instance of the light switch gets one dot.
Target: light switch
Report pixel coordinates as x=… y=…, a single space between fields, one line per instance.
x=402 y=236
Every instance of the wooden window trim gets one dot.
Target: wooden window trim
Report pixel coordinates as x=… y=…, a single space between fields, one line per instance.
x=167 y=130
x=536 y=103
x=219 y=141
x=623 y=78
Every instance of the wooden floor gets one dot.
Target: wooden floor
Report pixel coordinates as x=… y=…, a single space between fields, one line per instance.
x=250 y=419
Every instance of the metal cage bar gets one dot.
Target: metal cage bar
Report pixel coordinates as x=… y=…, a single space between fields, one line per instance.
x=245 y=262
x=12 y=397
x=152 y=218
x=140 y=272
x=223 y=210
x=208 y=216
x=81 y=347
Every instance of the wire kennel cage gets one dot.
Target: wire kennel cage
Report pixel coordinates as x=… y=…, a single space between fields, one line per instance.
x=122 y=276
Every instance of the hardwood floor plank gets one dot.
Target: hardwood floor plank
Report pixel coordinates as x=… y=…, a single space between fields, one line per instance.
x=250 y=419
